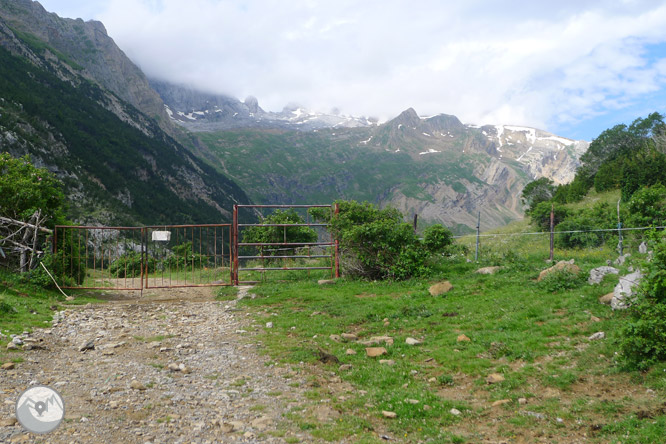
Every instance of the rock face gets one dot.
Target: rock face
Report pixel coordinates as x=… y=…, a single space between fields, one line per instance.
x=624 y=290
x=88 y=45
x=597 y=274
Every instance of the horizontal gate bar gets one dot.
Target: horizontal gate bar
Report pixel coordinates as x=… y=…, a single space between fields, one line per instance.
x=285 y=257
x=274 y=244
x=284 y=268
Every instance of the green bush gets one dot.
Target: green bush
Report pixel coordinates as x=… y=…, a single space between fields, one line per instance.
x=643 y=341
x=274 y=235
x=129 y=265
x=376 y=243
x=647 y=207
x=182 y=258
x=25 y=189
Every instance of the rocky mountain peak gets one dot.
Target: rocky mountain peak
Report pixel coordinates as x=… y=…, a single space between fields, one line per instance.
x=407 y=118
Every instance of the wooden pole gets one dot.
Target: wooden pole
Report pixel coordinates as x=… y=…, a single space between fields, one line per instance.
x=478 y=232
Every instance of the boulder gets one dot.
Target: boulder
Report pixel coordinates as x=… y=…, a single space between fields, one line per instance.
x=440 y=288
x=624 y=290
x=560 y=266
x=597 y=274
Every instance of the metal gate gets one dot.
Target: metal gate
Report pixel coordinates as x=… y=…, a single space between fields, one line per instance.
x=133 y=258
x=304 y=255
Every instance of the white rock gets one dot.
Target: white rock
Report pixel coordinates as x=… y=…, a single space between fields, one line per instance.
x=598 y=335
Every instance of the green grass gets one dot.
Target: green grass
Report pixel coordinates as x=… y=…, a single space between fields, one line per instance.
x=533 y=333
x=24 y=307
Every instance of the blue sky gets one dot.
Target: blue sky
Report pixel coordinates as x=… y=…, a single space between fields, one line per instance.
x=571 y=67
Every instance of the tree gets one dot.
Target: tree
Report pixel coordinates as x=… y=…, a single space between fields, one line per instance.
x=25 y=189
x=537 y=191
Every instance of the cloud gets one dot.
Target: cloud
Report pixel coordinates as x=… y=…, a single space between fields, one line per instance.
x=545 y=64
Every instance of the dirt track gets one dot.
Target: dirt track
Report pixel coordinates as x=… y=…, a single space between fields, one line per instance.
x=218 y=389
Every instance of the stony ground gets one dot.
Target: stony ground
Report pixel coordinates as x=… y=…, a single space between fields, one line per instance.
x=172 y=366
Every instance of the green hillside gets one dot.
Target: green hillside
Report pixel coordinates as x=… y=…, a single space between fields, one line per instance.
x=114 y=171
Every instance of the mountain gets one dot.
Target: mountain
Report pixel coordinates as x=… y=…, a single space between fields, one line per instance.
x=117 y=163
x=437 y=167
x=199 y=111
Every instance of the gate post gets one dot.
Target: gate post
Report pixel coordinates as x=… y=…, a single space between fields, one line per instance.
x=234 y=248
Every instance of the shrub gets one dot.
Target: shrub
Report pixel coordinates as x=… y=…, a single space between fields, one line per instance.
x=647 y=207
x=268 y=234
x=129 y=265
x=182 y=258
x=644 y=335
x=376 y=243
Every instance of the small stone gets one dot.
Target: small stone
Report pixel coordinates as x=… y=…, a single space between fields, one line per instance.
x=412 y=341
x=386 y=323
x=88 y=345
x=606 y=299
x=335 y=338
x=9 y=422
x=136 y=385
x=387 y=361
x=375 y=351
x=113 y=404
x=345 y=367
x=501 y=402
x=226 y=427
x=463 y=338
x=426 y=407
x=326 y=281
x=8 y=366
x=455 y=412
x=269 y=325
x=494 y=378
x=349 y=336
x=388 y=414
x=594 y=319
x=598 y=335
x=489 y=270
x=522 y=401
x=12 y=346
x=433 y=379
x=350 y=352
x=173 y=367
x=412 y=401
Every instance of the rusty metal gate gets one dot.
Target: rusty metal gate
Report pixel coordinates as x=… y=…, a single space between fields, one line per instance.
x=303 y=255
x=133 y=258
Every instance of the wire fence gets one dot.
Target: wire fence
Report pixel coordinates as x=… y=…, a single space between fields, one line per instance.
x=549 y=244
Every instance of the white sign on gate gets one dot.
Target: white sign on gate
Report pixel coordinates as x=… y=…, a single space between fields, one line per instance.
x=162 y=236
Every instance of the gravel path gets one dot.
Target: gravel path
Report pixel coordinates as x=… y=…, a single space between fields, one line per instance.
x=174 y=366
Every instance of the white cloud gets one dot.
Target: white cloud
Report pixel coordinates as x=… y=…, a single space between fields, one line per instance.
x=543 y=64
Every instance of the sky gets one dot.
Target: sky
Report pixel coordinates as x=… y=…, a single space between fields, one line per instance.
x=571 y=67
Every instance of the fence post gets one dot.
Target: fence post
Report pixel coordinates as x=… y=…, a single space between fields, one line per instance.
x=336 y=211
x=552 y=228
x=234 y=247
x=620 y=246
x=478 y=232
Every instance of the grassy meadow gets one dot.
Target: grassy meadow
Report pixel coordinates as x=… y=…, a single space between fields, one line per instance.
x=552 y=383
